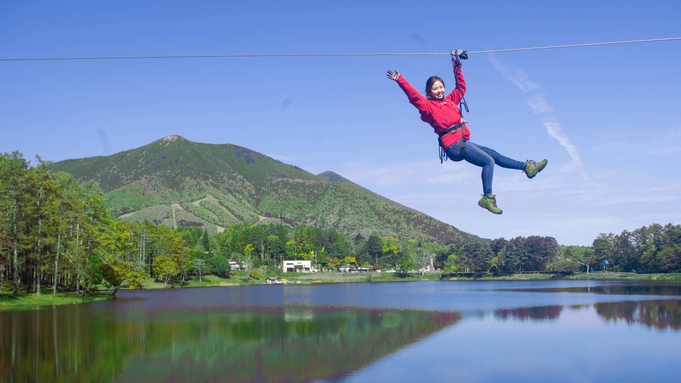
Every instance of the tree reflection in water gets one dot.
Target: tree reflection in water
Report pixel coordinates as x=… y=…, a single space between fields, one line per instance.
x=532 y=313
x=291 y=344
x=659 y=314
x=611 y=288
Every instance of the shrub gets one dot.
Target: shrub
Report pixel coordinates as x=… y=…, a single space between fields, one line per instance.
x=255 y=273
x=219 y=265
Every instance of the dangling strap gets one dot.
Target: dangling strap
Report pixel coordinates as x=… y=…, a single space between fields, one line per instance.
x=463 y=136
x=464 y=104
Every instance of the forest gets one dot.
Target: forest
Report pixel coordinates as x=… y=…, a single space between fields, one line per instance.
x=56 y=235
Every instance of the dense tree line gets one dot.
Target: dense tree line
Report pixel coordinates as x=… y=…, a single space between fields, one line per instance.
x=258 y=245
x=501 y=256
x=269 y=245
x=649 y=249
x=56 y=234
x=652 y=249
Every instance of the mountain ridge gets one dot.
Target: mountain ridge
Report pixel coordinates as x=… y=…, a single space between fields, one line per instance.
x=178 y=182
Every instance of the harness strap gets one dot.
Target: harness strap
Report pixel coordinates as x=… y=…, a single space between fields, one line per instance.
x=443 y=153
x=453 y=128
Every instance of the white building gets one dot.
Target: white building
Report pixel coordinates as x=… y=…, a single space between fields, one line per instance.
x=298 y=266
x=235 y=265
x=347 y=268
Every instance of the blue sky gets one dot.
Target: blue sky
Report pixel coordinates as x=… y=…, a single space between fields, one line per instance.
x=606 y=117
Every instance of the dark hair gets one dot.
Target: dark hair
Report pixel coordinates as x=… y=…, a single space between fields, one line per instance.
x=431 y=81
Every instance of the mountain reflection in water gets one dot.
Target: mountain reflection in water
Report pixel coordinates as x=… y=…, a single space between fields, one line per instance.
x=285 y=344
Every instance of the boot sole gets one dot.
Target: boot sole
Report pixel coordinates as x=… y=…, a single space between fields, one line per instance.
x=486 y=208
x=538 y=171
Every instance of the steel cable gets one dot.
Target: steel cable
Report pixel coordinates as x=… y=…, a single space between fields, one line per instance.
x=256 y=55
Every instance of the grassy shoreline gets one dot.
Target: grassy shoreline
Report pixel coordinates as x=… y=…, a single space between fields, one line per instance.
x=33 y=301
x=9 y=302
x=242 y=279
x=597 y=276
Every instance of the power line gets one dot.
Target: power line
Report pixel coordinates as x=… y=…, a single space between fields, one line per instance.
x=257 y=55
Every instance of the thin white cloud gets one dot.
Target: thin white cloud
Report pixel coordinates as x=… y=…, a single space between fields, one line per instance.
x=556 y=132
x=539 y=105
x=665 y=141
x=514 y=75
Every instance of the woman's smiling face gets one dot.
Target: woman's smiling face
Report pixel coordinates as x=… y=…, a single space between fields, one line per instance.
x=437 y=90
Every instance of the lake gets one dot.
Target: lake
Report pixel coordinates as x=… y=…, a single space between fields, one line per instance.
x=525 y=331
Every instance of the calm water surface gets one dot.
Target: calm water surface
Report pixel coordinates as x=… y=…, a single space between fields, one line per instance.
x=543 y=331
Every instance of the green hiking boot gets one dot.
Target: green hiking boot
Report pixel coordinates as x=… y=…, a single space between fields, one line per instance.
x=532 y=168
x=489 y=202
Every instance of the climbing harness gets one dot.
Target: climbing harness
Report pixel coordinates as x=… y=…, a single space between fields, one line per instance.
x=453 y=128
x=456 y=54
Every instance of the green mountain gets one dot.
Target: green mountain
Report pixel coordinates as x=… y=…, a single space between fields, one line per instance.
x=177 y=182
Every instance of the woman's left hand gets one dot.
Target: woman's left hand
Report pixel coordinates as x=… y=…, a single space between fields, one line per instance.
x=393 y=75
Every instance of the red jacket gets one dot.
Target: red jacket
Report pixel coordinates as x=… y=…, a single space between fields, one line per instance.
x=440 y=114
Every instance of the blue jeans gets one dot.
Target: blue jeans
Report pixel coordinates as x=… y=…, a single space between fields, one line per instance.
x=485 y=158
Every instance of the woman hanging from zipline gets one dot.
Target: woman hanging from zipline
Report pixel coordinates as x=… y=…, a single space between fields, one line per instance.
x=443 y=114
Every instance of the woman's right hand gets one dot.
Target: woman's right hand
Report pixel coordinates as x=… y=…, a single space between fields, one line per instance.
x=393 y=75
